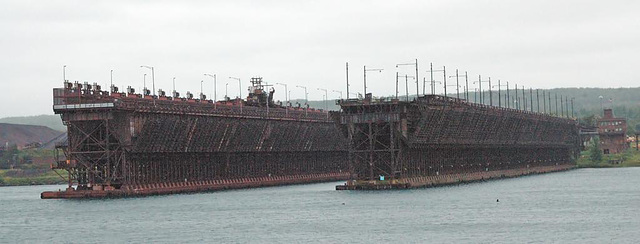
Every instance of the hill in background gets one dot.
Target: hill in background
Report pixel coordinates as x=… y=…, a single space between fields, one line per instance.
x=52 y=121
x=24 y=134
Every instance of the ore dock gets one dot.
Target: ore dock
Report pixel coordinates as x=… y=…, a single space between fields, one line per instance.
x=438 y=140
x=129 y=144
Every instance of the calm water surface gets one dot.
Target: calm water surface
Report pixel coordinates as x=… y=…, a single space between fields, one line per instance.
x=579 y=206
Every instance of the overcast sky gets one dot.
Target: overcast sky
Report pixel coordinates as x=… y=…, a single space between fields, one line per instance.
x=540 y=44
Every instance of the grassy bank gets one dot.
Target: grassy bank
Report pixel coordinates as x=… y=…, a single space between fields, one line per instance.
x=630 y=158
x=19 y=177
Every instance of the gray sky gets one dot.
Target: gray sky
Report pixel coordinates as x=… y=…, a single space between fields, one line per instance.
x=540 y=44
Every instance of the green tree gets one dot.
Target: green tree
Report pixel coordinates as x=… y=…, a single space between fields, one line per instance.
x=8 y=156
x=595 y=154
x=588 y=120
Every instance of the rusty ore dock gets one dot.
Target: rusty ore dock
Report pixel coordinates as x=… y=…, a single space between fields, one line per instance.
x=437 y=140
x=128 y=144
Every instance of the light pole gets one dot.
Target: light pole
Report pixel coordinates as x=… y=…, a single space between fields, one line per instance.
x=326 y=95
x=174 y=93
x=338 y=92
x=433 y=82
x=500 y=95
x=517 y=105
x=111 y=77
x=153 y=78
x=347 y=71
x=466 y=88
x=215 y=95
x=64 y=73
x=544 y=102
x=457 y=83
x=144 y=85
x=306 y=100
x=239 y=85
x=524 y=99
x=572 y=115
x=365 y=77
x=538 y=99
x=479 y=82
x=416 y=77
x=531 y=99
x=201 y=94
x=286 y=91
x=226 y=91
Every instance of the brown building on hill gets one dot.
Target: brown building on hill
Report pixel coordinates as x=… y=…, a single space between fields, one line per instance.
x=612 y=132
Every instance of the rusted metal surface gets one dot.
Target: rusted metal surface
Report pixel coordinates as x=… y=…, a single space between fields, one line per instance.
x=394 y=142
x=121 y=143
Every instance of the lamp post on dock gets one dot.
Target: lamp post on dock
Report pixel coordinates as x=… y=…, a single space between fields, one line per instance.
x=111 y=77
x=153 y=78
x=215 y=95
x=306 y=100
x=572 y=115
x=239 y=85
x=174 y=93
x=201 y=92
x=500 y=95
x=416 y=77
x=517 y=105
x=458 y=84
x=340 y=92
x=479 y=82
x=365 y=77
x=64 y=73
x=144 y=85
x=524 y=99
x=326 y=95
x=544 y=102
x=433 y=82
x=406 y=85
x=226 y=91
x=286 y=92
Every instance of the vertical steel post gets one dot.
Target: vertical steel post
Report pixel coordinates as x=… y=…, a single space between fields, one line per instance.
x=480 y=89
x=508 y=96
x=561 y=107
x=365 y=80
x=466 y=80
x=531 y=97
x=538 y=99
x=433 y=84
x=499 y=95
x=524 y=99
x=517 y=101
x=490 y=93
x=444 y=71
x=417 y=81
x=406 y=86
x=347 y=71
x=396 y=85
x=556 y=95
x=572 y=114
x=457 y=86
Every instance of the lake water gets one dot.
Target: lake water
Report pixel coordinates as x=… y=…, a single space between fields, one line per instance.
x=578 y=206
